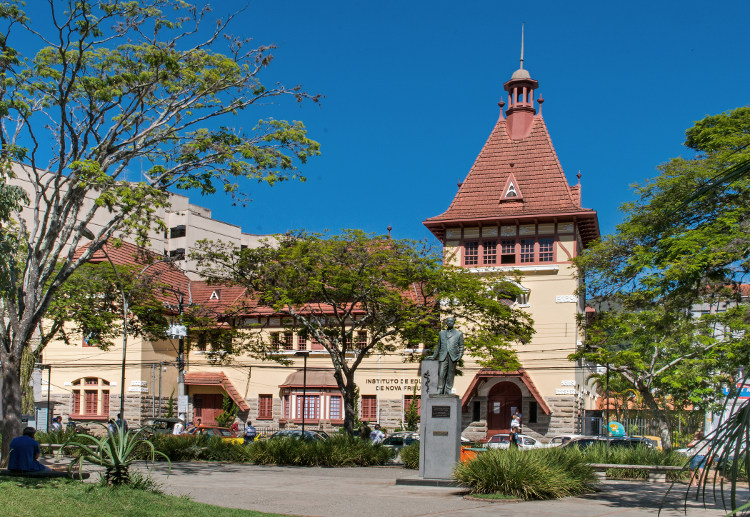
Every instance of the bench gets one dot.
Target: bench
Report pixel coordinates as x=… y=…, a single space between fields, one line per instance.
x=656 y=473
x=46 y=474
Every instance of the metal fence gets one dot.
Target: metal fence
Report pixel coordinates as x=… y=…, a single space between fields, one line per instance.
x=683 y=424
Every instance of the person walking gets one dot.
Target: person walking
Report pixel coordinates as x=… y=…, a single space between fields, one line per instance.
x=250 y=433
x=376 y=436
x=364 y=430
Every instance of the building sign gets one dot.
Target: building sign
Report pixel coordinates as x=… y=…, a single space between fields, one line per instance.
x=744 y=391
x=441 y=411
x=394 y=384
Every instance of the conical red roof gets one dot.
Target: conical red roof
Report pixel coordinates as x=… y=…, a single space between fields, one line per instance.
x=531 y=163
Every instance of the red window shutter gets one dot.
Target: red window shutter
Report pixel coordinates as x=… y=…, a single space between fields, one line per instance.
x=288 y=341
x=369 y=408
x=301 y=343
x=76 y=402
x=315 y=345
x=90 y=401
x=265 y=406
x=105 y=403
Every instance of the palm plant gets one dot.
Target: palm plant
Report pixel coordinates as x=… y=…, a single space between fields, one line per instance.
x=115 y=451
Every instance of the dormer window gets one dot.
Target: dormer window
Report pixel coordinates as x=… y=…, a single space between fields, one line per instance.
x=512 y=191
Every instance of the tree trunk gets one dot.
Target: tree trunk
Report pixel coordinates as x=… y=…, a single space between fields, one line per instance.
x=660 y=415
x=10 y=419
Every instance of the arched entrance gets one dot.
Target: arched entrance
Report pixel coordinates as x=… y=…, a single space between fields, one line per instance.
x=504 y=398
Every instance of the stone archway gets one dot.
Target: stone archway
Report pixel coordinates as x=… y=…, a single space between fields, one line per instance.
x=503 y=399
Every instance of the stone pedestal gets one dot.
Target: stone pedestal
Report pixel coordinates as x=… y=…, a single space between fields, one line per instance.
x=440 y=428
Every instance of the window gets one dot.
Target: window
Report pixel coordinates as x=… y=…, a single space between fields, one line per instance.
x=475 y=411
x=178 y=253
x=471 y=253
x=508 y=251
x=361 y=339
x=312 y=407
x=546 y=248
x=489 y=252
x=301 y=343
x=335 y=409
x=511 y=191
x=527 y=250
x=91 y=397
x=288 y=341
x=369 y=408
x=533 y=408
x=287 y=407
x=265 y=407
x=275 y=340
x=177 y=231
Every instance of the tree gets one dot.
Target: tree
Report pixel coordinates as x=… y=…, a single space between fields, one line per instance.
x=358 y=294
x=112 y=84
x=674 y=253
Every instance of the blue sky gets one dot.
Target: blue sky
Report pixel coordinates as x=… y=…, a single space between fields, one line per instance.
x=411 y=90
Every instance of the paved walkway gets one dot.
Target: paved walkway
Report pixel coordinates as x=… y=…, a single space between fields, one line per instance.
x=364 y=492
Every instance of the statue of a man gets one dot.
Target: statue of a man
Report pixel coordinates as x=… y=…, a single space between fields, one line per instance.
x=449 y=349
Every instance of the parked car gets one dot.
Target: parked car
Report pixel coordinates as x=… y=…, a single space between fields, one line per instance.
x=502 y=441
x=297 y=433
x=618 y=441
x=224 y=433
x=399 y=440
x=562 y=439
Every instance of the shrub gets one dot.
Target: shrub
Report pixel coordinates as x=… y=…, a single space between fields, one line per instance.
x=410 y=455
x=337 y=451
x=531 y=474
x=640 y=455
x=115 y=451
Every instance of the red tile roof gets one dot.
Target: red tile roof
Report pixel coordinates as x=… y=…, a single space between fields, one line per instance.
x=162 y=273
x=533 y=163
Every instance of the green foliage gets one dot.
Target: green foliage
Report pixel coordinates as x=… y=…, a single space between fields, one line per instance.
x=410 y=455
x=341 y=450
x=355 y=292
x=229 y=412
x=640 y=455
x=533 y=474
x=107 y=86
x=679 y=246
x=115 y=451
x=411 y=415
x=170 y=405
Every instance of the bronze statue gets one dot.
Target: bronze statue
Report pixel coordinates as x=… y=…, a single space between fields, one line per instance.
x=449 y=349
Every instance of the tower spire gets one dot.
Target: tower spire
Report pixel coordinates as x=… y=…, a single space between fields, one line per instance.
x=522 y=24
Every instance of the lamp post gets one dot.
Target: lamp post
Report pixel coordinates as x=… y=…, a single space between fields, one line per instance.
x=304 y=354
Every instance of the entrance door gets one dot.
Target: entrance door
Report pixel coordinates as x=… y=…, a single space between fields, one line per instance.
x=504 y=398
x=207 y=407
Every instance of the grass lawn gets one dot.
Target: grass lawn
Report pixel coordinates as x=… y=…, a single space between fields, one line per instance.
x=34 y=497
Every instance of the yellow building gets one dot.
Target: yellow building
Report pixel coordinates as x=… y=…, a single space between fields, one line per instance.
x=514 y=211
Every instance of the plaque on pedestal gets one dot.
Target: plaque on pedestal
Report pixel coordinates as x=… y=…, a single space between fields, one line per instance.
x=440 y=428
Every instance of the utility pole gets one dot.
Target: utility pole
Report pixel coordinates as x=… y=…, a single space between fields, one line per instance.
x=179 y=331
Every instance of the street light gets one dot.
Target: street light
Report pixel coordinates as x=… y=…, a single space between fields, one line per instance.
x=305 y=354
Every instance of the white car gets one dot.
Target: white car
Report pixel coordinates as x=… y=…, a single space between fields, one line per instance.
x=502 y=441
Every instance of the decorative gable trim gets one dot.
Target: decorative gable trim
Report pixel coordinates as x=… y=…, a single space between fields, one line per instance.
x=511 y=192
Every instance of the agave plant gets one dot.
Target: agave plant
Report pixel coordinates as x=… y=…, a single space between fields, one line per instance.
x=115 y=451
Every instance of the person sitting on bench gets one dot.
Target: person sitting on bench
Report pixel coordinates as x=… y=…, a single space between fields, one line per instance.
x=24 y=454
